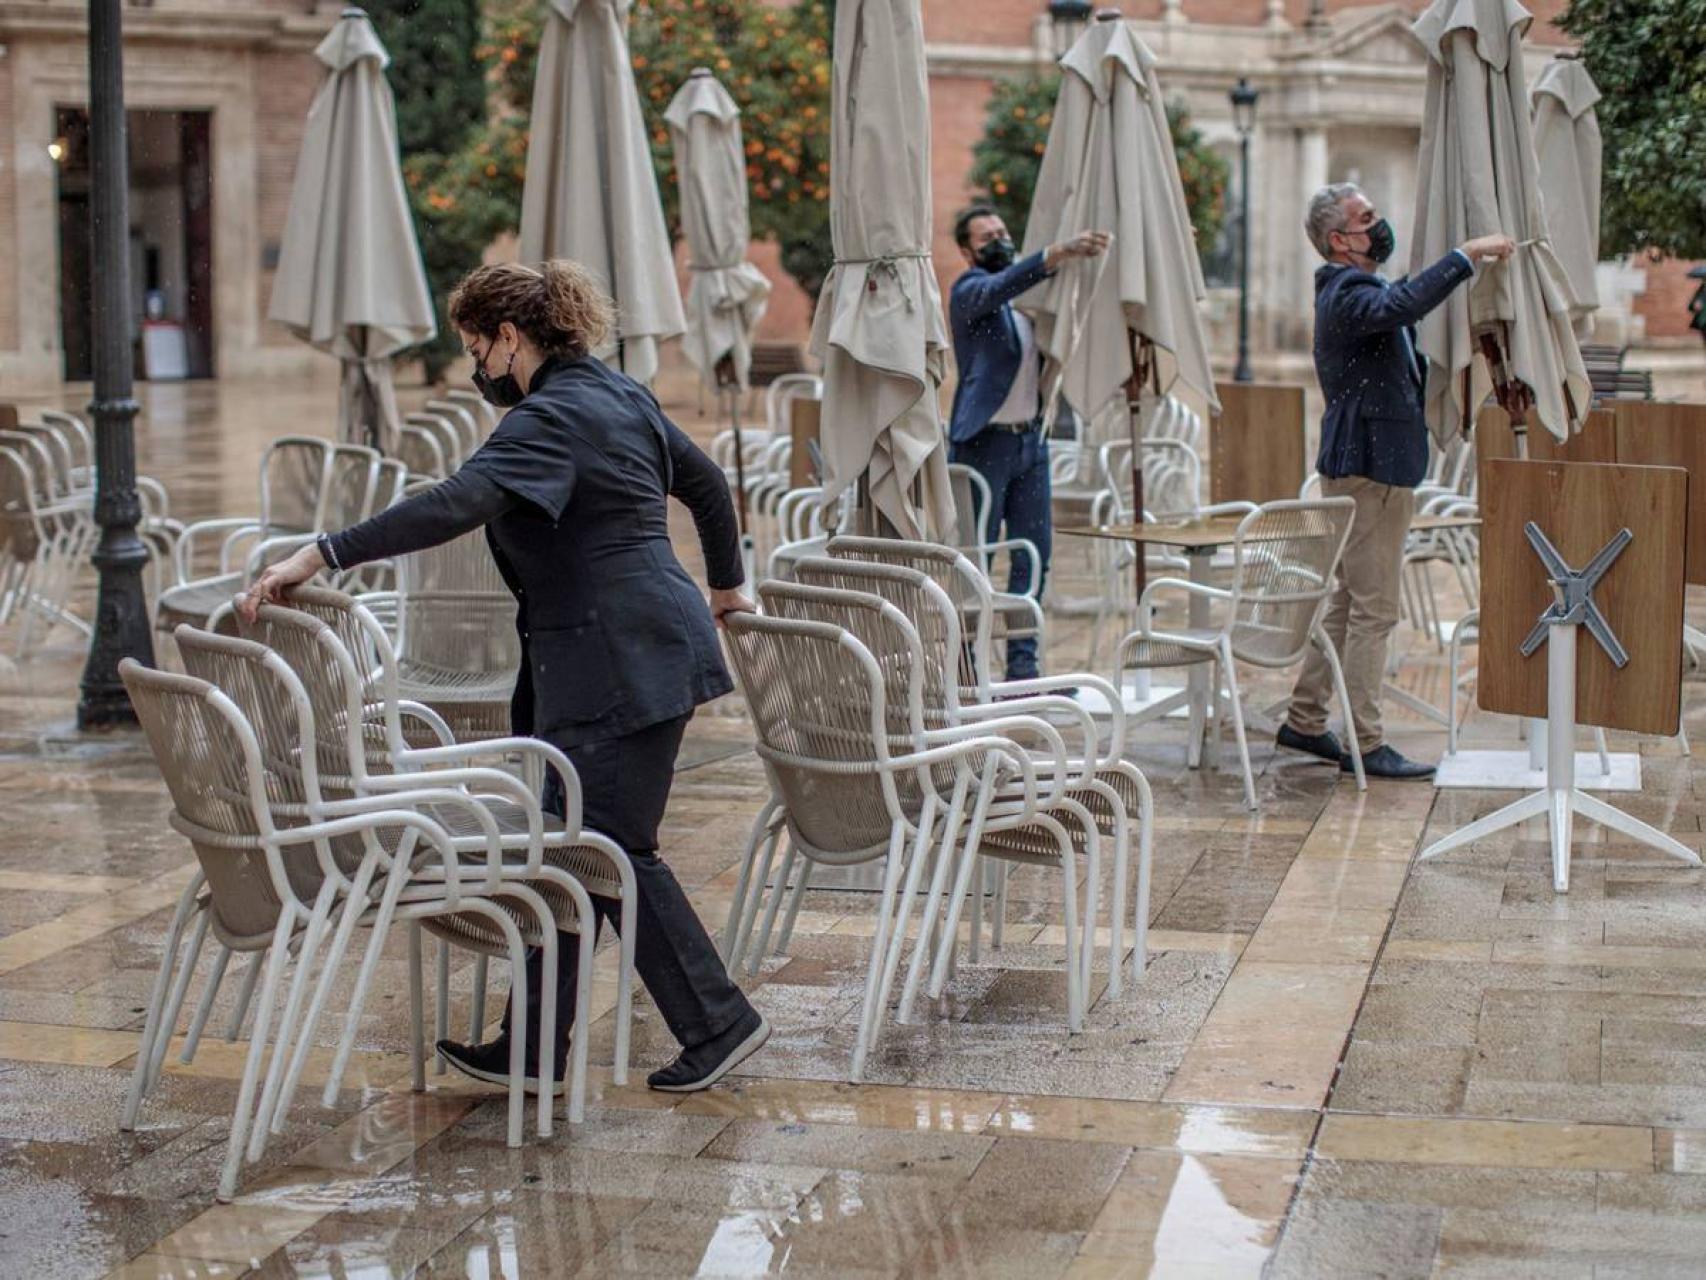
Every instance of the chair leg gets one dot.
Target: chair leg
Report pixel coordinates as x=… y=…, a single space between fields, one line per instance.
x=382 y=918
x=175 y=1001
x=1236 y=698
x=204 y=1008
x=754 y=893
x=1326 y=643
x=801 y=883
x=241 y=1115
x=417 y=1058
x=152 y=1025
x=914 y=871
x=582 y=1031
x=311 y=937
x=873 y=969
x=1074 y=934
x=353 y=909
x=1145 y=851
x=1116 y=912
x=441 y=1006
x=477 y=1015
x=998 y=929
x=938 y=881
x=777 y=894
x=760 y=832
x=245 y=995
x=624 y=988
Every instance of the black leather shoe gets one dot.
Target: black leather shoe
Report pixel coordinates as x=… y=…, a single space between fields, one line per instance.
x=1324 y=745
x=704 y=1064
x=490 y=1062
x=1385 y=762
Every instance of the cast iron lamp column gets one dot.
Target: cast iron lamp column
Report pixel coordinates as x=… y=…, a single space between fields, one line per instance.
x=121 y=615
x=1243 y=97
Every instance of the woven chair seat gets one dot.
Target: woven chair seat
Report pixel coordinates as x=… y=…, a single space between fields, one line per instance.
x=588 y=865
x=195 y=602
x=1035 y=843
x=1162 y=652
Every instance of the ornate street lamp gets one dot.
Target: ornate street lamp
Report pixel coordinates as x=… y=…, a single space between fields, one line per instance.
x=1243 y=97
x=121 y=615
x=1067 y=20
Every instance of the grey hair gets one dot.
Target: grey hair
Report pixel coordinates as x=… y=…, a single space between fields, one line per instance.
x=1327 y=214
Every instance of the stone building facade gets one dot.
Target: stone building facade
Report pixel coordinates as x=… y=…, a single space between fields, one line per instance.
x=219 y=89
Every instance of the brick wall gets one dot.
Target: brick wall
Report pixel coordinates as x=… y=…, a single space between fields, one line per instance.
x=284 y=86
x=1665 y=303
x=957 y=105
x=8 y=217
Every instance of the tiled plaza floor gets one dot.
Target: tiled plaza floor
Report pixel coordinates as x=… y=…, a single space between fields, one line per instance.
x=1339 y=1063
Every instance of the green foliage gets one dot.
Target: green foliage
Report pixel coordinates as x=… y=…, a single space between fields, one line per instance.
x=440 y=91
x=1649 y=59
x=773 y=60
x=1006 y=159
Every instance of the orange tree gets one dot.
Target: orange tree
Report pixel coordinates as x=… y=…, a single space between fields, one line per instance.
x=773 y=60
x=1006 y=158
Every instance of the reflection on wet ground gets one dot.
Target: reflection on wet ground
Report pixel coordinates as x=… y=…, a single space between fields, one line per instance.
x=1339 y=1062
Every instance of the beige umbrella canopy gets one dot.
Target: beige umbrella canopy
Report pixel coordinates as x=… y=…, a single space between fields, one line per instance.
x=1567 y=150
x=350 y=280
x=591 y=193
x=726 y=295
x=1509 y=332
x=1109 y=166
x=879 y=328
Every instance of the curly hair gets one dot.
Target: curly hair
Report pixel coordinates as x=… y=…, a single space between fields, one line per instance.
x=558 y=305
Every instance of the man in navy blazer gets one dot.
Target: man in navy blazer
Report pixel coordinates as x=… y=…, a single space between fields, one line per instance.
x=1374 y=450
x=996 y=424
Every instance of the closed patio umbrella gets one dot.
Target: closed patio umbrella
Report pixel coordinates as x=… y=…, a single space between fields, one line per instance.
x=591 y=193
x=1109 y=165
x=726 y=295
x=350 y=279
x=1567 y=150
x=1477 y=176
x=879 y=328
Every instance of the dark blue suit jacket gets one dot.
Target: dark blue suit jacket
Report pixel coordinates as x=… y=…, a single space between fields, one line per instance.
x=986 y=343
x=1365 y=358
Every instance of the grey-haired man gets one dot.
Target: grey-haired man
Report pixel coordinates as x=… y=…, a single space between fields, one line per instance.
x=1374 y=450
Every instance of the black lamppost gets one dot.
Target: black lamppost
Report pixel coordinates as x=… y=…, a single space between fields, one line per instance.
x=1243 y=97
x=1067 y=20
x=121 y=614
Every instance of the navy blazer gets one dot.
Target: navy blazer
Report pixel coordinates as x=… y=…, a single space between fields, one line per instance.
x=986 y=341
x=615 y=635
x=1366 y=361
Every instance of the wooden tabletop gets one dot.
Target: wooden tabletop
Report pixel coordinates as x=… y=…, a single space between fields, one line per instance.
x=1221 y=531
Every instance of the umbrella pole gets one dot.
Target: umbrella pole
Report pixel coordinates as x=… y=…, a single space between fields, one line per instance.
x=1140 y=358
x=729 y=387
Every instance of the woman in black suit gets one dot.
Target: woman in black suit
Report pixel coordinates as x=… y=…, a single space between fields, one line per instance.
x=618 y=646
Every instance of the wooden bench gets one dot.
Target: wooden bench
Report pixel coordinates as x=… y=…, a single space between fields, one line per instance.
x=772 y=360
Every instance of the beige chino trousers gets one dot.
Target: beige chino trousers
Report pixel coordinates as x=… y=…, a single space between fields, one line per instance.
x=1362 y=610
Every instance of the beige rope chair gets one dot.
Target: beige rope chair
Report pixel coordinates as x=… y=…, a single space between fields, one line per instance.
x=845 y=773
x=213 y=556
x=46 y=536
x=1063 y=828
x=1285 y=557
x=259 y=885
x=265 y=687
x=339 y=652
x=1111 y=788
x=454 y=637
x=1012 y=616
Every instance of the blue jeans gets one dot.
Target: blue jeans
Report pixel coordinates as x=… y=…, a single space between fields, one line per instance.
x=1016 y=468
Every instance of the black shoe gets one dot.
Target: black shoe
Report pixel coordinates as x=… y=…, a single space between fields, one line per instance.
x=1325 y=745
x=490 y=1062
x=1385 y=762
x=703 y=1065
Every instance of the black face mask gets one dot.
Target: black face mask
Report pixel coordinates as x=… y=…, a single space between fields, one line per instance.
x=996 y=255
x=1381 y=240
x=504 y=391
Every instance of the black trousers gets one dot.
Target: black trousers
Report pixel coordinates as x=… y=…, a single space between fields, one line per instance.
x=624 y=786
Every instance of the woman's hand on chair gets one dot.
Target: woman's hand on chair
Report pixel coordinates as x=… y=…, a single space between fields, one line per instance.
x=276 y=579
x=727 y=600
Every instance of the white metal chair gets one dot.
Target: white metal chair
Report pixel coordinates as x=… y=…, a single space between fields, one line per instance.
x=264 y=885
x=1285 y=557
